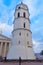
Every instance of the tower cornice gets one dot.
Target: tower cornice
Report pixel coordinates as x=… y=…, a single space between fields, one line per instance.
x=21 y=8
x=21 y=29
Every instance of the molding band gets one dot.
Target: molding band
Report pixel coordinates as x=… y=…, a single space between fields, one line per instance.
x=21 y=29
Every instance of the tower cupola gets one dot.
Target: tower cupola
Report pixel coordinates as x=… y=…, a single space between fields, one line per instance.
x=22 y=5
x=21 y=19
x=21 y=11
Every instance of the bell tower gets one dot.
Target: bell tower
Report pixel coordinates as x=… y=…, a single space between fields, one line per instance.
x=22 y=35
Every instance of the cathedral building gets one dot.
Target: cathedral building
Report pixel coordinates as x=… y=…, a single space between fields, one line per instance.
x=4 y=46
x=21 y=46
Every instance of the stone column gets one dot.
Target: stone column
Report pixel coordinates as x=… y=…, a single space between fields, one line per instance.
x=1 y=49
x=4 y=54
x=7 y=47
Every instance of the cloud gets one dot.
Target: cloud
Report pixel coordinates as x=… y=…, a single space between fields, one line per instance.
x=36 y=19
x=6 y=29
x=37 y=46
x=7 y=12
x=31 y=6
x=7 y=9
x=35 y=8
x=37 y=31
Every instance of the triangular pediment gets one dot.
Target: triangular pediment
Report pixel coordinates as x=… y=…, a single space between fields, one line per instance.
x=2 y=37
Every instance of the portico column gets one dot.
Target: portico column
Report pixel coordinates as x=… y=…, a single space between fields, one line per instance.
x=1 y=49
x=4 y=55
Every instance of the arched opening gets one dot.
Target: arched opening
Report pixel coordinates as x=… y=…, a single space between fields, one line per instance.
x=18 y=14
x=24 y=14
x=18 y=7
x=19 y=41
x=24 y=25
x=20 y=33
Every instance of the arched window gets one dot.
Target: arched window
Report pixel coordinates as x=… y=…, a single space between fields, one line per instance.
x=19 y=41
x=18 y=14
x=27 y=42
x=24 y=25
x=18 y=7
x=20 y=33
x=24 y=14
x=27 y=34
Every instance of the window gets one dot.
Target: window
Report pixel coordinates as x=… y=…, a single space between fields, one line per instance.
x=19 y=41
x=18 y=14
x=18 y=7
x=28 y=42
x=20 y=33
x=24 y=25
x=27 y=34
x=24 y=15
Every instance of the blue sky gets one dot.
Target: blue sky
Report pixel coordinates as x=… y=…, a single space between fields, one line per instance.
x=7 y=8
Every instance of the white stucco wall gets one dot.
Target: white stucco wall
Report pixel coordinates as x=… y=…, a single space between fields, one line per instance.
x=19 y=23
x=21 y=49
x=21 y=11
x=23 y=38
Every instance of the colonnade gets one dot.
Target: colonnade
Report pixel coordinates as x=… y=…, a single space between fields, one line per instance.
x=4 y=47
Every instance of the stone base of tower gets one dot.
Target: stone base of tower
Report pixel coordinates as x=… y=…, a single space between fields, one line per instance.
x=22 y=52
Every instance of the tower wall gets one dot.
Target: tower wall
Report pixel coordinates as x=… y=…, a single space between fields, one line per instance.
x=21 y=11
x=23 y=39
x=22 y=36
x=19 y=23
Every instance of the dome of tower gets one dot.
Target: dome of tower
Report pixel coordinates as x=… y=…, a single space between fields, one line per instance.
x=21 y=6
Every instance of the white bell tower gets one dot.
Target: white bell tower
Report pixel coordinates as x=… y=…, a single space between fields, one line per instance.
x=22 y=36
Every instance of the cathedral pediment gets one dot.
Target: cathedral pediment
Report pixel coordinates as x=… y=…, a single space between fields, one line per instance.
x=2 y=37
